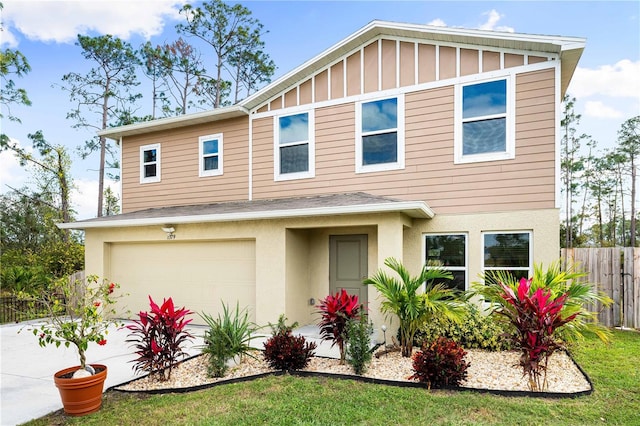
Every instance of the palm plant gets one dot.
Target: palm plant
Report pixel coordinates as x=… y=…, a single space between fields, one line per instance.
x=413 y=309
x=580 y=296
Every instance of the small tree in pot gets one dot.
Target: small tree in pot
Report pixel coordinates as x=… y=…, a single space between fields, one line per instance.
x=79 y=312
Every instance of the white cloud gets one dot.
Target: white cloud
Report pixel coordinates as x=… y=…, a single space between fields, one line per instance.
x=598 y=109
x=492 y=20
x=621 y=79
x=437 y=23
x=493 y=17
x=61 y=21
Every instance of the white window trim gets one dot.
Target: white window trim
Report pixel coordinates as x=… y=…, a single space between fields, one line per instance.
x=277 y=176
x=201 y=141
x=399 y=164
x=155 y=178
x=501 y=268
x=452 y=268
x=510 y=152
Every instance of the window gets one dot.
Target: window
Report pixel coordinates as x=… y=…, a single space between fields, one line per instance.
x=484 y=122
x=294 y=150
x=210 y=155
x=510 y=252
x=449 y=251
x=380 y=135
x=150 y=163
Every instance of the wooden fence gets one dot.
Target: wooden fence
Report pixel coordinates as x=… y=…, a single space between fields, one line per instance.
x=616 y=271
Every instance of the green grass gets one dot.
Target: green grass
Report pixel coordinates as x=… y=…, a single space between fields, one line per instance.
x=288 y=400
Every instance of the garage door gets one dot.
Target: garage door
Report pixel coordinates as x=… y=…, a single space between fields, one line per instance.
x=197 y=275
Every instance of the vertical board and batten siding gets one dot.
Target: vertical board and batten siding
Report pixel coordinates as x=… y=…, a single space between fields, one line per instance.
x=391 y=63
x=180 y=183
x=616 y=272
x=526 y=182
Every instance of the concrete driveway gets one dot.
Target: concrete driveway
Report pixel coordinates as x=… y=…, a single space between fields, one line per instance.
x=27 y=390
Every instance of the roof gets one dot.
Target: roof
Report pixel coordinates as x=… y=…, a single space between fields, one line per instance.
x=282 y=208
x=569 y=50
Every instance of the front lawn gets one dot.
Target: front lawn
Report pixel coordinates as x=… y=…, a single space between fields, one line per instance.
x=286 y=400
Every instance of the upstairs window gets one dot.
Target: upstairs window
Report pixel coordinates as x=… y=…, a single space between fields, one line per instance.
x=380 y=135
x=450 y=252
x=294 y=151
x=150 y=163
x=210 y=155
x=509 y=252
x=484 y=122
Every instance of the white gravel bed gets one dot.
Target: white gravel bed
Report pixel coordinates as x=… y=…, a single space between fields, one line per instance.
x=487 y=370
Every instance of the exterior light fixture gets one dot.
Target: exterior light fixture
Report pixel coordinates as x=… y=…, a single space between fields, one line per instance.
x=384 y=333
x=169 y=229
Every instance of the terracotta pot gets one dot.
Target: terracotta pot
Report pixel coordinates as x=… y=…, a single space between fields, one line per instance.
x=83 y=395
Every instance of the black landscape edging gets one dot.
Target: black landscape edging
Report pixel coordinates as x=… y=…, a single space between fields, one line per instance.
x=372 y=380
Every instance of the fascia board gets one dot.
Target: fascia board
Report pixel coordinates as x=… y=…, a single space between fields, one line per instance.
x=172 y=122
x=414 y=209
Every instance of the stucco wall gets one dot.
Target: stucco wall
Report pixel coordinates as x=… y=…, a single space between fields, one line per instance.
x=292 y=256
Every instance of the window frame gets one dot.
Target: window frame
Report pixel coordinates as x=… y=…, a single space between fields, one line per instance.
x=509 y=115
x=157 y=177
x=464 y=268
x=399 y=164
x=310 y=142
x=201 y=156
x=493 y=268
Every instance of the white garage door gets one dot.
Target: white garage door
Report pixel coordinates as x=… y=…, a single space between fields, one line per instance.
x=197 y=275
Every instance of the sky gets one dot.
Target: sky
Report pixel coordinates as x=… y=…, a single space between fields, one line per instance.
x=606 y=83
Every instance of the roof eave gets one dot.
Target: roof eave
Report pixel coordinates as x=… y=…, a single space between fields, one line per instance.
x=532 y=42
x=174 y=122
x=413 y=209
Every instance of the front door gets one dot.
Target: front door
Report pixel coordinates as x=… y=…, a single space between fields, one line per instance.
x=348 y=265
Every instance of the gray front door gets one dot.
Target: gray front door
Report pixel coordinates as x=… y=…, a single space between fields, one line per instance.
x=348 y=265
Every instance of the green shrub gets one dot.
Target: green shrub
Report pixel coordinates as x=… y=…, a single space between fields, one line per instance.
x=228 y=336
x=474 y=331
x=440 y=363
x=358 y=343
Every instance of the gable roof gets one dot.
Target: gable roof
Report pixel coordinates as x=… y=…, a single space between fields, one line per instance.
x=568 y=49
x=281 y=208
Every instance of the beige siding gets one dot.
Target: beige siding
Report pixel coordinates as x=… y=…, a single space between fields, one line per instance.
x=490 y=61
x=305 y=93
x=407 y=64
x=353 y=74
x=526 y=182
x=180 y=183
x=337 y=81
x=426 y=63
x=371 y=68
x=468 y=61
x=322 y=86
x=511 y=60
x=291 y=98
x=447 y=62
x=388 y=64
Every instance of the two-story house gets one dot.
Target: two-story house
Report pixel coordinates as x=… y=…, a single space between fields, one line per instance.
x=417 y=142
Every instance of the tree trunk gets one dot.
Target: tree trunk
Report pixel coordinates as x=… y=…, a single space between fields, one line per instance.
x=633 y=202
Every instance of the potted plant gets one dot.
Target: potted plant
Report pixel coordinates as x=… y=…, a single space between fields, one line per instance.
x=79 y=312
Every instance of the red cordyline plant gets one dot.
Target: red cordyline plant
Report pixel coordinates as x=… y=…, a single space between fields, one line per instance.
x=336 y=312
x=536 y=315
x=158 y=337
